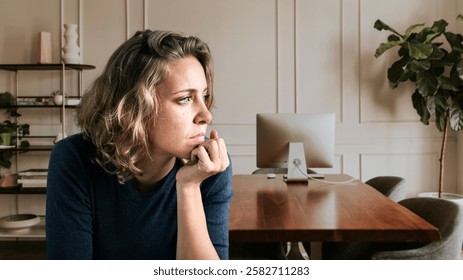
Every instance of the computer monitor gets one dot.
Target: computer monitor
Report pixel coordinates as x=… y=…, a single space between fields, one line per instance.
x=295 y=141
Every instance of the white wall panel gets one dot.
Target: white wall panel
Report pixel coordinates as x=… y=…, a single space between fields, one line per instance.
x=286 y=53
x=270 y=56
x=103 y=30
x=21 y=20
x=242 y=38
x=417 y=169
x=318 y=56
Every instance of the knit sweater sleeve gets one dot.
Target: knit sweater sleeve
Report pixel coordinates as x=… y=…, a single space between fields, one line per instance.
x=68 y=204
x=217 y=194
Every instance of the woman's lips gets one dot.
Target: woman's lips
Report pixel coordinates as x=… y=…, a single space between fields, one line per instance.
x=198 y=137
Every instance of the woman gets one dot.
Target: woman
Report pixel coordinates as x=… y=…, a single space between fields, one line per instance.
x=142 y=180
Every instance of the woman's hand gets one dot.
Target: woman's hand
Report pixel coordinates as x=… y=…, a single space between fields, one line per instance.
x=208 y=159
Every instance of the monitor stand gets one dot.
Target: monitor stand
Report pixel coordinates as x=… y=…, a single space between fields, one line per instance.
x=296 y=156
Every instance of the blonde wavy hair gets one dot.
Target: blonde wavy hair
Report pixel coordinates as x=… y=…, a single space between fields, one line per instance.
x=120 y=107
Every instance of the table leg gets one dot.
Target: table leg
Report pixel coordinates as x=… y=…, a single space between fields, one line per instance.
x=296 y=252
x=315 y=250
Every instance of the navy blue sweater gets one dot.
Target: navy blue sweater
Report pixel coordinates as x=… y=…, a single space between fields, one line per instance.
x=89 y=215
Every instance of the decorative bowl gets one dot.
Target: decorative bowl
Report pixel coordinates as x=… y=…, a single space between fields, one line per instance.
x=19 y=222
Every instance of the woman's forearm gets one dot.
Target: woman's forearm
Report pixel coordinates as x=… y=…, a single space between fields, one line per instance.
x=193 y=241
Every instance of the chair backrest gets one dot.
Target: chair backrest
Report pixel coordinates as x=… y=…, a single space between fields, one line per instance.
x=393 y=187
x=447 y=217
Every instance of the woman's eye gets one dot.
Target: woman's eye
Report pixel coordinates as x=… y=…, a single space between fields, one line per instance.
x=184 y=100
x=206 y=97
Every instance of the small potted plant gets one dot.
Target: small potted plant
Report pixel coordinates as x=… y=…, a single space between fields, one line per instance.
x=435 y=67
x=6 y=99
x=10 y=134
x=57 y=97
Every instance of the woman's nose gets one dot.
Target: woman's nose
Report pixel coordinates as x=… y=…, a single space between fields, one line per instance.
x=203 y=115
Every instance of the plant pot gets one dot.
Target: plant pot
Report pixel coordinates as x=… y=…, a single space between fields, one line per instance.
x=458 y=198
x=6 y=99
x=6 y=138
x=9 y=181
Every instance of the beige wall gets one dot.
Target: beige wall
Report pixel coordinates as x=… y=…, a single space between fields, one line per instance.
x=270 y=56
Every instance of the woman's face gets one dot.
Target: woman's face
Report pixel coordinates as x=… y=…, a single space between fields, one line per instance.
x=183 y=114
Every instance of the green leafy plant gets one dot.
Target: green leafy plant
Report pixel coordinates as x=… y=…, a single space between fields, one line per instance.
x=13 y=132
x=435 y=68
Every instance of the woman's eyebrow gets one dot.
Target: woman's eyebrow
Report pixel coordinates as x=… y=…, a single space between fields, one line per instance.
x=189 y=90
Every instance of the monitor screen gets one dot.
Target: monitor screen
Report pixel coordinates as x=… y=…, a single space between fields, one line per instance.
x=275 y=132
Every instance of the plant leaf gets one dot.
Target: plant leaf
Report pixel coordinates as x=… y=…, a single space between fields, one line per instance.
x=437 y=53
x=393 y=38
x=396 y=72
x=440 y=109
x=441 y=119
x=410 y=30
x=385 y=46
x=460 y=68
x=380 y=25
x=419 y=103
x=456 y=112
x=419 y=50
x=440 y=100
x=429 y=34
x=447 y=83
x=419 y=65
x=427 y=83
x=5 y=158
x=454 y=41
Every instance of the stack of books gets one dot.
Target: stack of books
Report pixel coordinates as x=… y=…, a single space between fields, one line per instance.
x=33 y=178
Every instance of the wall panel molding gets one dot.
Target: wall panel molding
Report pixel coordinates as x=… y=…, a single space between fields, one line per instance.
x=271 y=56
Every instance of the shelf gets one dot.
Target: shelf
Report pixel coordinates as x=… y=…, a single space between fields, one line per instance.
x=41 y=67
x=30 y=148
x=20 y=190
x=39 y=136
x=23 y=250
x=35 y=148
x=38 y=106
x=37 y=231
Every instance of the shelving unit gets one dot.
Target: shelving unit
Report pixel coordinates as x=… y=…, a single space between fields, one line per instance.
x=38 y=231
x=23 y=105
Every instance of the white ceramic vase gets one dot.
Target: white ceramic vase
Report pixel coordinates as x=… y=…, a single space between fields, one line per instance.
x=71 y=52
x=58 y=99
x=457 y=198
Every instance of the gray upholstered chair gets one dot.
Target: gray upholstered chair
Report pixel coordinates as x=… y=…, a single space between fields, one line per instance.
x=444 y=214
x=391 y=186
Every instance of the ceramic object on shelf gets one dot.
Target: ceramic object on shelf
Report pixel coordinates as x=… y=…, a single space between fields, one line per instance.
x=19 y=222
x=71 y=52
x=6 y=139
x=58 y=99
x=9 y=181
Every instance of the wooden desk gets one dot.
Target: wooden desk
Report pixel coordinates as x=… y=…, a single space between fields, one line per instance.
x=270 y=210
